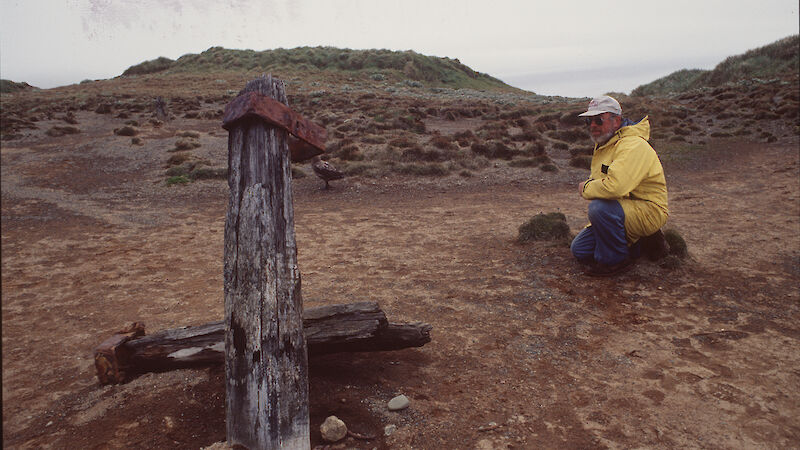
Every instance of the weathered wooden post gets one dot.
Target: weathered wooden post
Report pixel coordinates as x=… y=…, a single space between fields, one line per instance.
x=266 y=363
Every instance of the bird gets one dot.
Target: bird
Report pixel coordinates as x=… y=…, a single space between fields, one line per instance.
x=325 y=171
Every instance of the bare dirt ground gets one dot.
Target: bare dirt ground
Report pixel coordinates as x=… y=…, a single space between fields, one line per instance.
x=526 y=351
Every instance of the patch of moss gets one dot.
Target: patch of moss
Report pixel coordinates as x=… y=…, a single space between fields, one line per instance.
x=177 y=179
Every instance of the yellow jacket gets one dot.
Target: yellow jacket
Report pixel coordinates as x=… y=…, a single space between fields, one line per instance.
x=626 y=168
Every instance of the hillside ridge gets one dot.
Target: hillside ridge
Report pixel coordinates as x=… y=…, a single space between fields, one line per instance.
x=776 y=60
x=377 y=65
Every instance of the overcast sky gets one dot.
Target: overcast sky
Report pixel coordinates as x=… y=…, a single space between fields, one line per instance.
x=554 y=47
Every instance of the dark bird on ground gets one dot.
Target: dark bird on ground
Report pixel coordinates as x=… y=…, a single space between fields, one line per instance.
x=325 y=171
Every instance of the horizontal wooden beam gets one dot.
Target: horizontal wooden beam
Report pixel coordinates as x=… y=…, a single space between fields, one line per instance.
x=351 y=327
x=254 y=104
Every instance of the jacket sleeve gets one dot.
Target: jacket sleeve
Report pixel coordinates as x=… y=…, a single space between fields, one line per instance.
x=630 y=166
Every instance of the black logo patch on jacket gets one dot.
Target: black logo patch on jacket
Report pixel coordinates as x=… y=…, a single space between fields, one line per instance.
x=604 y=169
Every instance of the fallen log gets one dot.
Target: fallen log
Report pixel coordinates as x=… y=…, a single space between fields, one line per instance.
x=352 y=327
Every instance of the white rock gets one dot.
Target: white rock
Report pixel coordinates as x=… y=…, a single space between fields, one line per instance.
x=333 y=429
x=389 y=429
x=398 y=403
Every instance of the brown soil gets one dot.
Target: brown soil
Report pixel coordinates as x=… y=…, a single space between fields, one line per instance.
x=526 y=352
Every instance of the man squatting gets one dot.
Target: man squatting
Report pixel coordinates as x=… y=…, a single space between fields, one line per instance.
x=627 y=193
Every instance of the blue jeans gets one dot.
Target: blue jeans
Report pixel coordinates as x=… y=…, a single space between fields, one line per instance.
x=604 y=240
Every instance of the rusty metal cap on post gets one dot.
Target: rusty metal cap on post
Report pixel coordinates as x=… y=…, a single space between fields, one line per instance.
x=309 y=138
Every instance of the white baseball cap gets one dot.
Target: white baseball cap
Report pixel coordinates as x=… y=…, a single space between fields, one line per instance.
x=603 y=104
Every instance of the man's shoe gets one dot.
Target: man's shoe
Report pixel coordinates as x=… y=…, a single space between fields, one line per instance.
x=605 y=270
x=655 y=246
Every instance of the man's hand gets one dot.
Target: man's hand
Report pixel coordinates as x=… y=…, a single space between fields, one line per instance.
x=581 y=187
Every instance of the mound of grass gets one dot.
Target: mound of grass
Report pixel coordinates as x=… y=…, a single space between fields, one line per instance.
x=297 y=173
x=8 y=86
x=464 y=138
x=780 y=58
x=208 y=173
x=408 y=67
x=178 y=159
x=544 y=227
x=534 y=149
x=177 y=179
x=189 y=134
x=155 y=65
x=126 y=131
x=442 y=142
x=679 y=81
x=185 y=144
x=350 y=153
x=417 y=153
x=677 y=246
x=578 y=151
x=493 y=150
x=581 y=162
x=772 y=60
x=569 y=135
x=60 y=131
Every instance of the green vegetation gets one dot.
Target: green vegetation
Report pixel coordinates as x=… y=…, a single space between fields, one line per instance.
x=544 y=227
x=126 y=131
x=8 y=86
x=185 y=144
x=156 y=65
x=778 y=59
x=581 y=161
x=177 y=179
x=410 y=67
x=679 y=81
x=677 y=245
x=60 y=131
x=548 y=168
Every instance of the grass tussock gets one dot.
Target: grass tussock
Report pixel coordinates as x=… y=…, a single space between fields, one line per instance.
x=677 y=245
x=62 y=130
x=185 y=144
x=581 y=162
x=126 y=131
x=544 y=227
x=177 y=179
x=493 y=150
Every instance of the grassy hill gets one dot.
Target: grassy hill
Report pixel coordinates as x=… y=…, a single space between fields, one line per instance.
x=8 y=86
x=377 y=65
x=776 y=60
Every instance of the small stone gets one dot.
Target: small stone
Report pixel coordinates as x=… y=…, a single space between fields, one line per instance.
x=398 y=403
x=389 y=429
x=333 y=429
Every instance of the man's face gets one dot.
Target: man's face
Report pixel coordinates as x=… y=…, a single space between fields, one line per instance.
x=603 y=126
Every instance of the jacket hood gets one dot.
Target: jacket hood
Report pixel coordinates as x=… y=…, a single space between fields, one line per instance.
x=630 y=128
x=640 y=128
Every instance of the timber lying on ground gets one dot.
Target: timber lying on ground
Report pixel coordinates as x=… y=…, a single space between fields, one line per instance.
x=351 y=327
